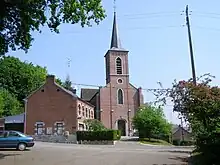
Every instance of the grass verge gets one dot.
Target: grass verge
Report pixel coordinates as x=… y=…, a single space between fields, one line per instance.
x=154 y=142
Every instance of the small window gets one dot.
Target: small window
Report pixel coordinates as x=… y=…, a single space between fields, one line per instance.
x=92 y=115
x=59 y=127
x=89 y=113
x=81 y=127
x=1 y=134
x=120 y=81
x=42 y=90
x=83 y=111
x=86 y=112
x=79 y=109
x=58 y=90
x=40 y=129
x=13 y=134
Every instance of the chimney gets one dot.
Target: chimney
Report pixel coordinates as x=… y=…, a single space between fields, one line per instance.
x=74 y=91
x=50 y=79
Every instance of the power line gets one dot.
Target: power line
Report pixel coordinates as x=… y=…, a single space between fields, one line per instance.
x=100 y=86
x=207 y=28
x=149 y=14
x=124 y=29
x=145 y=17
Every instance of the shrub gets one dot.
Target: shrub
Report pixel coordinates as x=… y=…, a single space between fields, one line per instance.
x=182 y=143
x=176 y=142
x=166 y=138
x=98 y=135
x=94 y=125
x=186 y=143
x=118 y=134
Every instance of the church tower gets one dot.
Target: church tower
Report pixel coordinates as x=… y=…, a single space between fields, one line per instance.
x=119 y=99
x=117 y=102
x=116 y=58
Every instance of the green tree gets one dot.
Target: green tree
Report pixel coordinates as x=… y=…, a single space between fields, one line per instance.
x=150 y=122
x=67 y=84
x=9 y=105
x=20 y=78
x=94 y=125
x=199 y=104
x=59 y=81
x=20 y=17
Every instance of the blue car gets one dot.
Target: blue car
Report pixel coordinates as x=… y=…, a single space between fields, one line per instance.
x=15 y=139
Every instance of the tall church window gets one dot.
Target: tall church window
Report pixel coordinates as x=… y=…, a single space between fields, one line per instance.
x=118 y=65
x=120 y=97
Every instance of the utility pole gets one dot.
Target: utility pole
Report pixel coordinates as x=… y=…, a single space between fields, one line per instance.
x=182 y=128
x=190 y=46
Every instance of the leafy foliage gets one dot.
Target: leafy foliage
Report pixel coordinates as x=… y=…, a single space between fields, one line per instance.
x=97 y=135
x=59 y=81
x=20 y=78
x=9 y=105
x=67 y=84
x=20 y=17
x=94 y=125
x=199 y=104
x=150 y=121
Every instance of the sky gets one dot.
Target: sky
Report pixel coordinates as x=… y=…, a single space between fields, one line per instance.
x=154 y=33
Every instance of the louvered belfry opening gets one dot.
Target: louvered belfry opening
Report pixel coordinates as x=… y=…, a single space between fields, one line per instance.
x=118 y=66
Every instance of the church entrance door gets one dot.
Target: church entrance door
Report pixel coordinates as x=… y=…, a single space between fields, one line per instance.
x=122 y=127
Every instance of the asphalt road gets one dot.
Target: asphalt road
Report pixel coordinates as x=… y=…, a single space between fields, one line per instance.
x=123 y=153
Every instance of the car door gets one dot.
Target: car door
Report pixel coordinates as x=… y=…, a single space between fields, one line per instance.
x=12 y=139
x=2 y=139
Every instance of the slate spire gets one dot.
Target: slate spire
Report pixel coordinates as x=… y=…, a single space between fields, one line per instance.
x=115 y=41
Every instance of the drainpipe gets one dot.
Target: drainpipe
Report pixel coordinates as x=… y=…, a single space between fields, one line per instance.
x=25 y=112
x=111 y=110
x=129 y=126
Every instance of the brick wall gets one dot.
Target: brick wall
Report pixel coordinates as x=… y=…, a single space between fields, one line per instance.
x=50 y=104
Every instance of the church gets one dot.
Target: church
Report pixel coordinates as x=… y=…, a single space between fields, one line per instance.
x=52 y=109
x=116 y=102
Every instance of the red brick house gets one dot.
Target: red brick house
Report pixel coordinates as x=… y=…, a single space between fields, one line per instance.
x=117 y=102
x=52 y=109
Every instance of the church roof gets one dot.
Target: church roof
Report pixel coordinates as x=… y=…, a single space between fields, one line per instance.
x=115 y=40
x=87 y=94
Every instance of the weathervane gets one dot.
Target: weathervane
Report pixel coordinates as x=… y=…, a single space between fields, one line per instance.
x=68 y=62
x=114 y=6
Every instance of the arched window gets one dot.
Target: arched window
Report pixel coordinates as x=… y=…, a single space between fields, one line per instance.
x=79 y=109
x=120 y=97
x=118 y=66
x=86 y=112
x=83 y=111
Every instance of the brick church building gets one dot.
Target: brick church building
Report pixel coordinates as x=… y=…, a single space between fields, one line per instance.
x=117 y=102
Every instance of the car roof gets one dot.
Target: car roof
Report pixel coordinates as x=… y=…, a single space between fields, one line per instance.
x=9 y=131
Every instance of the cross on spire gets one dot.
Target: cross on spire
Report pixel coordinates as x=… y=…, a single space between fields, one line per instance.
x=114 y=7
x=115 y=41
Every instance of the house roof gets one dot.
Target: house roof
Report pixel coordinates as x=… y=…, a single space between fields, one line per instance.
x=175 y=128
x=87 y=94
x=74 y=95
x=14 y=119
x=62 y=88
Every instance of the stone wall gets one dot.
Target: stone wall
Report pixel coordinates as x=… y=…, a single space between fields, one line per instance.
x=55 y=138
x=98 y=142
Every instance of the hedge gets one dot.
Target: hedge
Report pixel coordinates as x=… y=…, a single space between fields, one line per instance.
x=98 y=135
x=182 y=143
x=166 y=138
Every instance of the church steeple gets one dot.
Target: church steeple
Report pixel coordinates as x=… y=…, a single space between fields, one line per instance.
x=115 y=40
